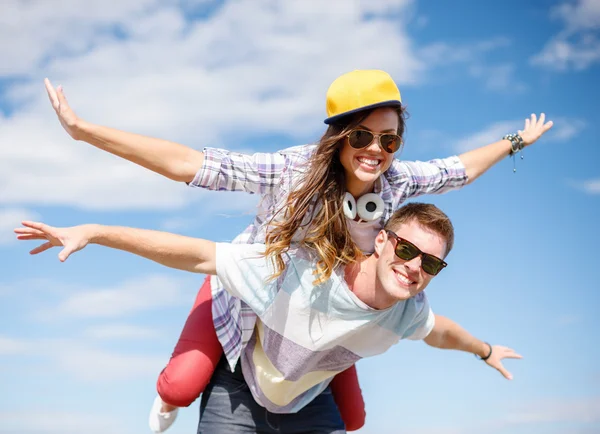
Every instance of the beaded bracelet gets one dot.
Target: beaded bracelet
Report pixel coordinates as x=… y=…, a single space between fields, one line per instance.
x=516 y=145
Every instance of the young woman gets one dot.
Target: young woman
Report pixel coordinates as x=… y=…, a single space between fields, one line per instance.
x=332 y=197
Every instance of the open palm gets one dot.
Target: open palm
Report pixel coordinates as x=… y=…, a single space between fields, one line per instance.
x=72 y=239
x=67 y=117
x=498 y=354
x=534 y=128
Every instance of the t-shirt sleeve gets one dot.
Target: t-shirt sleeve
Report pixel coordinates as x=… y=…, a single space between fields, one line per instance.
x=423 y=322
x=245 y=273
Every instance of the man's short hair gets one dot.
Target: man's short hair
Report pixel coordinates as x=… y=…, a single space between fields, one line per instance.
x=428 y=216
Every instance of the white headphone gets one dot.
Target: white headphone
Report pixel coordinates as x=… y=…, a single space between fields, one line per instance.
x=368 y=207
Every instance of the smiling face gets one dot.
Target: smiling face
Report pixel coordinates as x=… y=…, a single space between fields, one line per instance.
x=397 y=279
x=364 y=166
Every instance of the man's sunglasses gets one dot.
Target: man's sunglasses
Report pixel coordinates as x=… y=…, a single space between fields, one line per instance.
x=389 y=142
x=407 y=251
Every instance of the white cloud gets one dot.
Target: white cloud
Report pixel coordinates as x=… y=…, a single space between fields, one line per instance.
x=121 y=331
x=214 y=204
x=129 y=297
x=579 y=15
x=11 y=218
x=577 y=45
x=91 y=364
x=582 y=410
x=532 y=415
x=590 y=186
x=498 y=77
x=495 y=77
x=84 y=361
x=441 y=53
x=488 y=135
x=143 y=67
x=9 y=346
x=561 y=54
x=566 y=129
x=57 y=422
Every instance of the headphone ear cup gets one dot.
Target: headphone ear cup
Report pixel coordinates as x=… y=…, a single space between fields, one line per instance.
x=370 y=207
x=349 y=206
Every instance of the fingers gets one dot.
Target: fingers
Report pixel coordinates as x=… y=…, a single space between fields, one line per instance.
x=505 y=352
x=540 y=123
x=28 y=231
x=62 y=99
x=65 y=253
x=509 y=353
x=31 y=237
x=41 y=248
x=504 y=372
x=512 y=356
x=39 y=226
x=51 y=93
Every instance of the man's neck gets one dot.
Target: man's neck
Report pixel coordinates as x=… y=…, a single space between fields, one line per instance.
x=362 y=281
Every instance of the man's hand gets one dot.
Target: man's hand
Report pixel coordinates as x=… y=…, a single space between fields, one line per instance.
x=498 y=354
x=72 y=239
x=67 y=117
x=534 y=129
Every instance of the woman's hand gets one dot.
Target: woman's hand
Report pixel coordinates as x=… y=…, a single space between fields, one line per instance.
x=534 y=129
x=67 y=117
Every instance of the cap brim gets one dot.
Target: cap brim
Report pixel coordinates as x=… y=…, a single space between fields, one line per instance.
x=342 y=116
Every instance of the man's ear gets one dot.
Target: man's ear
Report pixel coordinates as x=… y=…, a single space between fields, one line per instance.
x=380 y=241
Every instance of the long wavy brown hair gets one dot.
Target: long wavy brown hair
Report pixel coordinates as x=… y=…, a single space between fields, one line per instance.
x=316 y=206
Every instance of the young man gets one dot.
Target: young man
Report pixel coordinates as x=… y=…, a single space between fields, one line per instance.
x=305 y=334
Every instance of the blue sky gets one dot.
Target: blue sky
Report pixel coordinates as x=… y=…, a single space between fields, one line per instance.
x=81 y=343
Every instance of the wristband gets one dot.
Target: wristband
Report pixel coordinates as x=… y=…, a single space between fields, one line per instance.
x=516 y=145
x=486 y=357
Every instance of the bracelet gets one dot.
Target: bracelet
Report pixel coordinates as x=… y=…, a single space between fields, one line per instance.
x=516 y=145
x=489 y=354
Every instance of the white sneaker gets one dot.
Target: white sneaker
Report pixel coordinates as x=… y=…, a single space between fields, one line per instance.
x=158 y=420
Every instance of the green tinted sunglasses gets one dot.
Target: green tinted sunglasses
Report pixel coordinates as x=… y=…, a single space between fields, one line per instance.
x=407 y=251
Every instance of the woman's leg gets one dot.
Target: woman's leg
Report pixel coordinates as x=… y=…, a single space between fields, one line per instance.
x=192 y=363
x=195 y=356
x=348 y=397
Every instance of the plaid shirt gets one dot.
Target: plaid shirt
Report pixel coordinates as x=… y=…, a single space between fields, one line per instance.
x=273 y=176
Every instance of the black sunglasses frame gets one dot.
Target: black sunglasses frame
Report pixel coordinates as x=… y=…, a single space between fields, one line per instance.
x=422 y=254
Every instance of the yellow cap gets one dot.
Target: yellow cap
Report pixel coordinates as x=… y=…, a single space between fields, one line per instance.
x=360 y=90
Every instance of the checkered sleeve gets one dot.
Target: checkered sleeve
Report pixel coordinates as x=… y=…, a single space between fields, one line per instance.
x=433 y=177
x=232 y=171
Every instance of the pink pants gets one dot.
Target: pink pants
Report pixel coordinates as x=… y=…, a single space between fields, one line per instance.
x=197 y=354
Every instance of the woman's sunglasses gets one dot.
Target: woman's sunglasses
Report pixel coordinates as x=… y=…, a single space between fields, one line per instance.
x=407 y=251
x=389 y=142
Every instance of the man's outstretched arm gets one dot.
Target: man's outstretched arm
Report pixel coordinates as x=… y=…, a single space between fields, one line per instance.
x=174 y=251
x=447 y=334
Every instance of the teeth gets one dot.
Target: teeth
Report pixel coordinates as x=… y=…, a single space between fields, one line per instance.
x=369 y=161
x=404 y=279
